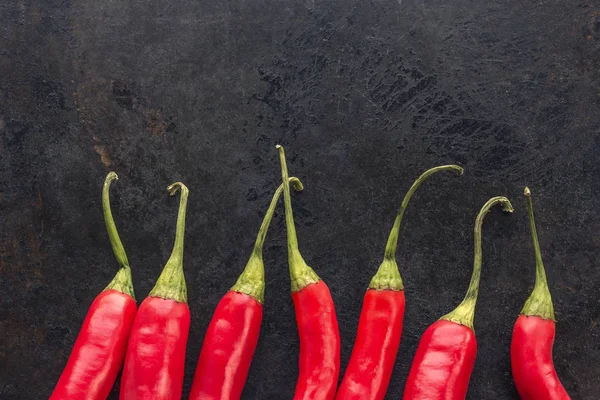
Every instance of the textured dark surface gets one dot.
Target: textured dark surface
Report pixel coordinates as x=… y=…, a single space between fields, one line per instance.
x=365 y=96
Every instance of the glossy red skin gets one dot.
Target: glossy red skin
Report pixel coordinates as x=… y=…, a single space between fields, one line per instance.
x=443 y=363
x=377 y=340
x=531 y=360
x=319 y=343
x=156 y=351
x=228 y=348
x=99 y=350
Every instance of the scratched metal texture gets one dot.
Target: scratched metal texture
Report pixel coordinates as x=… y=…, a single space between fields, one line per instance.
x=365 y=95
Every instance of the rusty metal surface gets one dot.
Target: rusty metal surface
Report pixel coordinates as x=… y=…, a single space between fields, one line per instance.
x=365 y=96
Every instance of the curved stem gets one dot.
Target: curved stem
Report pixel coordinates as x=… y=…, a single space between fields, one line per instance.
x=113 y=234
x=252 y=279
x=465 y=312
x=292 y=238
x=171 y=282
x=262 y=232
x=392 y=242
x=539 y=302
x=177 y=253
x=388 y=276
x=300 y=273
x=122 y=280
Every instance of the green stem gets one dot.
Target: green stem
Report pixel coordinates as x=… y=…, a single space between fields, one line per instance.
x=300 y=273
x=171 y=282
x=122 y=281
x=465 y=312
x=252 y=279
x=262 y=232
x=539 y=302
x=388 y=276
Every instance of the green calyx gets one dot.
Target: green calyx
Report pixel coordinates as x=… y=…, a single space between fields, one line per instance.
x=388 y=276
x=539 y=302
x=252 y=279
x=122 y=281
x=171 y=282
x=464 y=314
x=301 y=274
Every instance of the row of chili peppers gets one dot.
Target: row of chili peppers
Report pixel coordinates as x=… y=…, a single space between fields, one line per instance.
x=151 y=341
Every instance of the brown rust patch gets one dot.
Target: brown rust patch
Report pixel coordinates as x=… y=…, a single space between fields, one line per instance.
x=154 y=122
x=592 y=27
x=104 y=157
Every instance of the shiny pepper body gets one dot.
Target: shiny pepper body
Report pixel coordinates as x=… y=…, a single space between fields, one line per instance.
x=318 y=330
x=445 y=358
x=533 y=334
x=443 y=363
x=531 y=359
x=377 y=342
x=319 y=361
x=380 y=326
x=228 y=348
x=99 y=350
x=233 y=331
x=156 y=352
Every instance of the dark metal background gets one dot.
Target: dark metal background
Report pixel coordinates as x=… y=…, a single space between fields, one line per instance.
x=365 y=96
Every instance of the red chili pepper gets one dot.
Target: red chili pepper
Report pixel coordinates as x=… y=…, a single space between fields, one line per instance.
x=319 y=361
x=233 y=331
x=380 y=325
x=156 y=351
x=533 y=336
x=99 y=350
x=446 y=354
